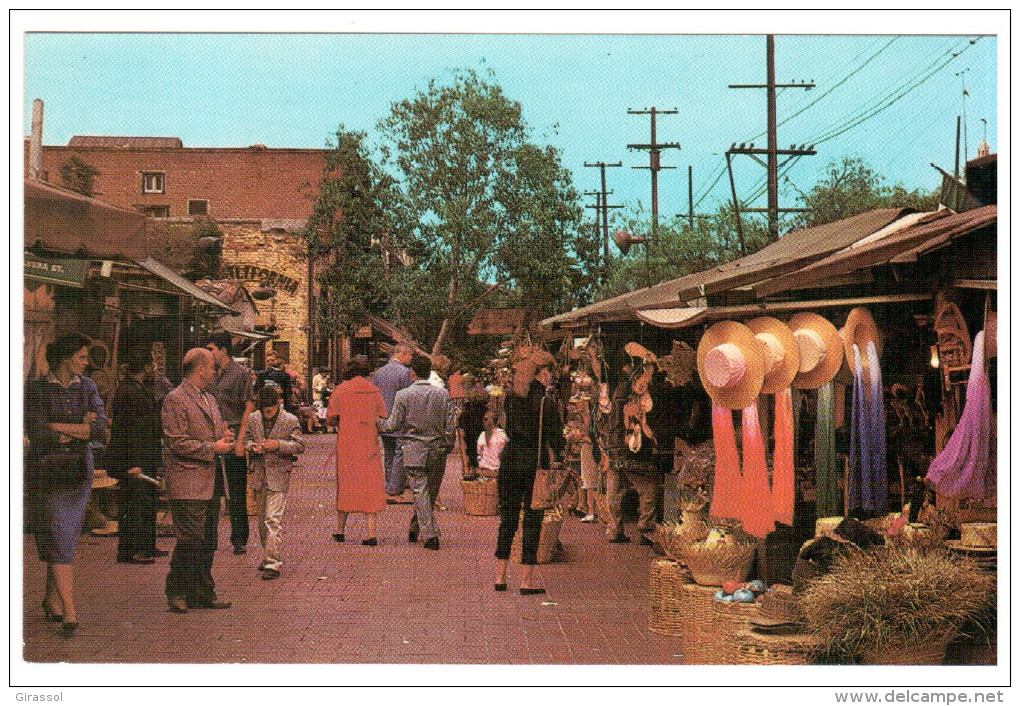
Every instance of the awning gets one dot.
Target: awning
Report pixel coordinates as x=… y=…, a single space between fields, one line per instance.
x=250 y=335
x=165 y=273
x=673 y=318
x=62 y=221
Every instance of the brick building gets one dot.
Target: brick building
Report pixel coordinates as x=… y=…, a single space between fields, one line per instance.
x=260 y=198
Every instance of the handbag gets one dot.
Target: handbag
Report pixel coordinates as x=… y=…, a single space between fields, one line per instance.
x=550 y=483
x=62 y=469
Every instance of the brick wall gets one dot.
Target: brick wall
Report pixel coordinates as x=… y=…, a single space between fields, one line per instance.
x=248 y=182
x=250 y=251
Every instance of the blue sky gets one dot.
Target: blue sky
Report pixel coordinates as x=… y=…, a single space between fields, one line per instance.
x=292 y=90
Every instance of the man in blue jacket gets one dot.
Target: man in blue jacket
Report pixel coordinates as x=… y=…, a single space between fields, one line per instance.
x=390 y=379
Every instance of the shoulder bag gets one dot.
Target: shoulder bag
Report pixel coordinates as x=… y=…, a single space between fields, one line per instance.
x=552 y=482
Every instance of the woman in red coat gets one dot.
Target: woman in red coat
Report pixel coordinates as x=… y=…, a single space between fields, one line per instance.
x=354 y=408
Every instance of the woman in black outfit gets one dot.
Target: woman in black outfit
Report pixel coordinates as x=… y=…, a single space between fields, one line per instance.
x=519 y=461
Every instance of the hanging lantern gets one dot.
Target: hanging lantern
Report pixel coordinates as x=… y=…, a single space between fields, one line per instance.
x=210 y=244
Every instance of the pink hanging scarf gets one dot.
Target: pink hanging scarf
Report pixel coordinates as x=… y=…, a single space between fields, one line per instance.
x=782 y=460
x=726 y=489
x=961 y=470
x=756 y=511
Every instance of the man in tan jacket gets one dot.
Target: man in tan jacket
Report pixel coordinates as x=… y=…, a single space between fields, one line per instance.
x=196 y=435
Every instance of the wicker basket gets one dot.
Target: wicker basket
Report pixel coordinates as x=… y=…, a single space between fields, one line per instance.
x=665 y=603
x=729 y=618
x=547 y=541
x=750 y=647
x=717 y=565
x=928 y=652
x=480 y=497
x=696 y=625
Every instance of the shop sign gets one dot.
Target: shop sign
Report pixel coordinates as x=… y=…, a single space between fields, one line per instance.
x=363 y=332
x=68 y=272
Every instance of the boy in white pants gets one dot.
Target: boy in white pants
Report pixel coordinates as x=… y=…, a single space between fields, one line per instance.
x=273 y=441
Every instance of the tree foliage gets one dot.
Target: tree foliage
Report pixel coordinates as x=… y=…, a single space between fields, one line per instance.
x=351 y=229
x=483 y=204
x=850 y=187
x=78 y=175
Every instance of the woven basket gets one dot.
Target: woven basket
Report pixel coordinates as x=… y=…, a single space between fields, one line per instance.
x=928 y=652
x=750 y=647
x=665 y=603
x=729 y=618
x=480 y=497
x=696 y=625
x=547 y=541
x=717 y=565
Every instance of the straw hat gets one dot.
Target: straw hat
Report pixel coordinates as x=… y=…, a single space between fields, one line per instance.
x=100 y=479
x=524 y=370
x=731 y=364
x=778 y=614
x=821 y=350
x=782 y=355
x=859 y=329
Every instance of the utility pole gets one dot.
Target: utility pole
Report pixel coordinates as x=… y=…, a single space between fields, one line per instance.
x=691 y=215
x=963 y=85
x=772 y=152
x=654 y=165
x=956 y=169
x=605 y=207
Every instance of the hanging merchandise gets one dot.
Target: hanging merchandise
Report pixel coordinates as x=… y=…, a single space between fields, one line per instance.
x=782 y=362
x=639 y=401
x=821 y=355
x=961 y=470
x=868 y=482
x=828 y=501
x=731 y=365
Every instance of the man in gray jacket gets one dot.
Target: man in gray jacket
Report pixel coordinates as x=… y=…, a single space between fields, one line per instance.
x=423 y=416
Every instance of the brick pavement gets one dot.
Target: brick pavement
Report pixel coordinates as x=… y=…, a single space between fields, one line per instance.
x=345 y=603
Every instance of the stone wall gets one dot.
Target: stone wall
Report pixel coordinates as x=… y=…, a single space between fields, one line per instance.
x=275 y=258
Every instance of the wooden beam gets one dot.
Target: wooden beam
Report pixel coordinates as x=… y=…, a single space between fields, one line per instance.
x=987 y=284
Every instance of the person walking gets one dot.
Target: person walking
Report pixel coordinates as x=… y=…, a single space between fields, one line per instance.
x=534 y=428
x=63 y=412
x=423 y=415
x=196 y=437
x=391 y=378
x=355 y=408
x=274 y=442
x=232 y=388
x=135 y=450
x=275 y=372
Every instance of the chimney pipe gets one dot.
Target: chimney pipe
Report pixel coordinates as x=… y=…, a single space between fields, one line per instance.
x=35 y=143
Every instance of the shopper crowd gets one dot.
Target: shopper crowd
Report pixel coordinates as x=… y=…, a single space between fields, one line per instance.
x=225 y=430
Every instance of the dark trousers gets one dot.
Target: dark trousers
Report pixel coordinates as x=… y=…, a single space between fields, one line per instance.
x=196 y=526
x=515 y=482
x=137 y=533
x=237 y=504
x=435 y=469
x=471 y=434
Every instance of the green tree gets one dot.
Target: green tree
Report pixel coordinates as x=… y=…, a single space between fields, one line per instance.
x=850 y=187
x=484 y=206
x=78 y=175
x=352 y=230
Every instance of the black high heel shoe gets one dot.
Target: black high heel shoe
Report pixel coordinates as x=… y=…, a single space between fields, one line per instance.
x=338 y=537
x=68 y=628
x=50 y=614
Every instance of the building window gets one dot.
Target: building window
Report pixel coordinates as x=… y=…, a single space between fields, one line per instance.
x=155 y=211
x=198 y=207
x=153 y=183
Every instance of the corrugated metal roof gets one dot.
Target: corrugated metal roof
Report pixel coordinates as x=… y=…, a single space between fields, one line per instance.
x=793 y=250
x=925 y=235
x=136 y=143
x=160 y=270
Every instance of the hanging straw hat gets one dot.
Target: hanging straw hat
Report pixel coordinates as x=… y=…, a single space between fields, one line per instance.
x=859 y=329
x=782 y=355
x=821 y=350
x=731 y=364
x=525 y=369
x=100 y=479
x=778 y=613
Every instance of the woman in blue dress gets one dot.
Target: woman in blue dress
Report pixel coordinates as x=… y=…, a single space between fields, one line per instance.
x=63 y=412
